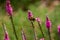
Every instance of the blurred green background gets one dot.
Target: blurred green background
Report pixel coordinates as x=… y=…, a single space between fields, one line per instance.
x=39 y=9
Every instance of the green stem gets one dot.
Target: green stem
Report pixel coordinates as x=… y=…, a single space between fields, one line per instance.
x=13 y=27
x=49 y=34
x=33 y=30
x=59 y=36
x=41 y=29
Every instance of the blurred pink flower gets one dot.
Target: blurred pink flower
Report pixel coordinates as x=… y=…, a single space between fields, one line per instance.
x=8 y=7
x=6 y=36
x=38 y=20
x=58 y=28
x=30 y=15
x=48 y=22
x=42 y=39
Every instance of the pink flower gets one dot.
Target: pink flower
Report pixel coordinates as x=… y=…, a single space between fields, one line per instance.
x=38 y=19
x=48 y=22
x=58 y=28
x=6 y=36
x=30 y=15
x=8 y=7
x=42 y=39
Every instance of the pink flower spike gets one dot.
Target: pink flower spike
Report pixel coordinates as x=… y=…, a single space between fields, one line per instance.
x=8 y=7
x=30 y=15
x=48 y=22
x=42 y=39
x=6 y=36
x=58 y=28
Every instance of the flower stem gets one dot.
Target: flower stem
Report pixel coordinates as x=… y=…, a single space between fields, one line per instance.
x=4 y=28
x=49 y=33
x=41 y=29
x=11 y=18
x=35 y=38
x=59 y=36
x=23 y=35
